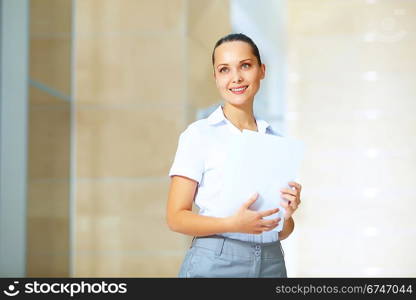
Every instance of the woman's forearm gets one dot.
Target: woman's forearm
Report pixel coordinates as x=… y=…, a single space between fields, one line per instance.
x=190 y=223
x=288 y=227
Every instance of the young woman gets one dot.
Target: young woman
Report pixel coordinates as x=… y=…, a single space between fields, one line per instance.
x=241 y=245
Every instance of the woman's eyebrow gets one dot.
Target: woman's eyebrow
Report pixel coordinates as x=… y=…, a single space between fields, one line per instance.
x=240 y=62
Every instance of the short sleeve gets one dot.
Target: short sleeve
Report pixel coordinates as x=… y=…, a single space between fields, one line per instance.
x=189 y=158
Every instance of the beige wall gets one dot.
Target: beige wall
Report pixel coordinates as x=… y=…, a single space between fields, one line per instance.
x=351 y=99
x=142 y=71
x=49 y=139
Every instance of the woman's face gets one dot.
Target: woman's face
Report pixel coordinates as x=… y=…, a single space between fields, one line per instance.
x=237 y=72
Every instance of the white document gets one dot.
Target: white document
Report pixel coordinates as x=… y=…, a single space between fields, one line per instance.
x=261 y=163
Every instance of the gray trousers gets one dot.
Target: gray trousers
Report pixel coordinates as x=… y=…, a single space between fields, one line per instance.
x=217 y=256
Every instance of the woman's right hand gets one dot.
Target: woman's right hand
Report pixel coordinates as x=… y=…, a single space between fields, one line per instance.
x=250 y=221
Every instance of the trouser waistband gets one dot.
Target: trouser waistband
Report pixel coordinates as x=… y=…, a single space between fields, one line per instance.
x=228 y=246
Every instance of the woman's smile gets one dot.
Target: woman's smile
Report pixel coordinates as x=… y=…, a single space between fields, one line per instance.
x=239 y=90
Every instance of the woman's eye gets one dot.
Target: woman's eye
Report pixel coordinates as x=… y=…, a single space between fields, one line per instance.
x=246 y=66
x=223 y=69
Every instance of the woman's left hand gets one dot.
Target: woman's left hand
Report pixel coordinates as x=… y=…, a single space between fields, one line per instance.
x=292 y=197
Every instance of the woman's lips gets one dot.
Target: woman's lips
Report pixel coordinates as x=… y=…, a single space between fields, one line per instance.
x=239 y=90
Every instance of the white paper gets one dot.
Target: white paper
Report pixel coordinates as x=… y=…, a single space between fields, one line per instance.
x=261 y=163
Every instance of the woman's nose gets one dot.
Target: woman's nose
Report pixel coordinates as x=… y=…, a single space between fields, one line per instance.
x=237 y=77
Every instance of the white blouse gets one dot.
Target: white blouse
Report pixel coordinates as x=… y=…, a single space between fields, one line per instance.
x=200 y=156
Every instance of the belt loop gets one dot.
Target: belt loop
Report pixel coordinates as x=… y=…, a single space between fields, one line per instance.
x=220 y=245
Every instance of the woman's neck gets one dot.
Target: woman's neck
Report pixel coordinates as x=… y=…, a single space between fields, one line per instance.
x=240 y=117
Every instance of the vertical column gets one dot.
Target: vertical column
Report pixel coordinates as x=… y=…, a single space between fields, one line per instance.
x=13 y=136
x=129 y=90
x=264 y=22
x=142 y=70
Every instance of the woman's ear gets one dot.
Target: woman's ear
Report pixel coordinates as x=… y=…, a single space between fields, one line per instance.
x=263 y=71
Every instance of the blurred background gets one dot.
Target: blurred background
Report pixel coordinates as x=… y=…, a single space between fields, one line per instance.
x=94 y=95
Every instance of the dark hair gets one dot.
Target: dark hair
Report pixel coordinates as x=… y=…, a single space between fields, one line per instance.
x=237 y=37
